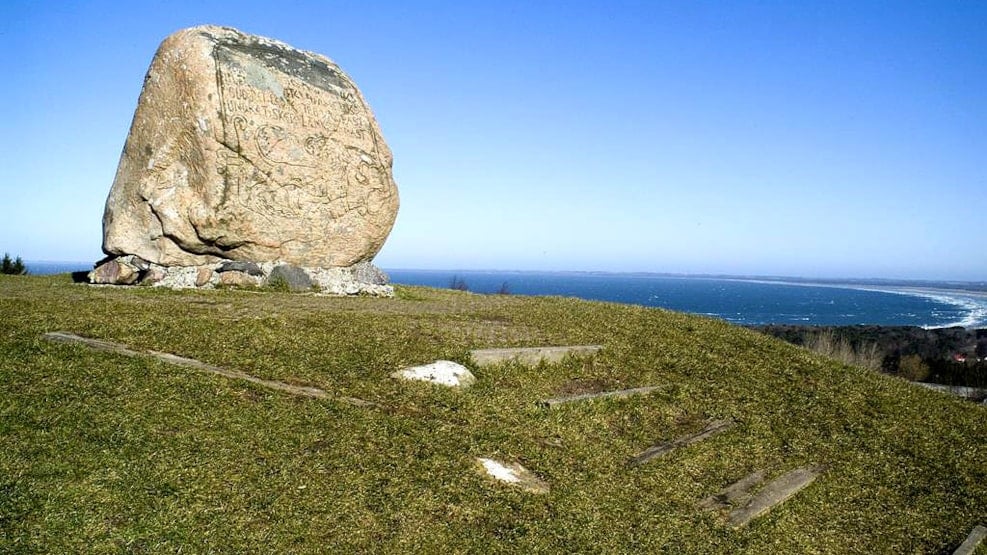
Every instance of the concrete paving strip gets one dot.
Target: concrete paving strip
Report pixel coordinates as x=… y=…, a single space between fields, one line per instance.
x=531 y=355
x=972 y=542
x=735 y=494
x=711 y=429
x=109 y=346
x=774 y=493
x=603 y=394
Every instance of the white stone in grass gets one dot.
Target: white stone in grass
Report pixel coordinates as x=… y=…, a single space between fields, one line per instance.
x=498 y=471
x=514 y=474
x=441 y=372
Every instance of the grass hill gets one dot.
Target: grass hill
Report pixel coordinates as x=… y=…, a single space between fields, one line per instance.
x=104 y=453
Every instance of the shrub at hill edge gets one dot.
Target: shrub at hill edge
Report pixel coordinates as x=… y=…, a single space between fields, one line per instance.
x=15 y=267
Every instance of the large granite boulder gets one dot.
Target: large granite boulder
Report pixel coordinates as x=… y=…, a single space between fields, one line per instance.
x=243 y=148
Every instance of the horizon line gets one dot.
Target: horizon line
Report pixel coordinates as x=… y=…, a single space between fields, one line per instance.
x=708 y=275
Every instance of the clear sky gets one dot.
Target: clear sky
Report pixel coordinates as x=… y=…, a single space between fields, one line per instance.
x=818 y=139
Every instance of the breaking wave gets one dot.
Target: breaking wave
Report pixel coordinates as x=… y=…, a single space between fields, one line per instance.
x=973 y=306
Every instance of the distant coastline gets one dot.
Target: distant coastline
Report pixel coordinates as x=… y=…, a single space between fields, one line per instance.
x=923 y=284
x=977 y=288
x=967 y=299
x=48 y=267
x=972 y=297
x=745 y=300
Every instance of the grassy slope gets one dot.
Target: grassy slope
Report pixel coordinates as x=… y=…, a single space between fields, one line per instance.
x=100 y=452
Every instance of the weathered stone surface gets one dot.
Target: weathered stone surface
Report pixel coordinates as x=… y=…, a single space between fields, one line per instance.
x=711 y=429
x=774 y=493
x=117 y=348
x=531 y=355
x=240 y=266
x=365 y=272
x=441 y=372
x=328 y=281
x=236 y=278
x=114 y=272
x=153 y=276
x=345 y=281
x=293 y=277
x=244 y=148
x=138 y=263
x=969 y=546
x=735 y=494
x=619 y=394
x=203 y=276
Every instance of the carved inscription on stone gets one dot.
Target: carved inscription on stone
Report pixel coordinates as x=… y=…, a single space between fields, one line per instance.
x=272 y=120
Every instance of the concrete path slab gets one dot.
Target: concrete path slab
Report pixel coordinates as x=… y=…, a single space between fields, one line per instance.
x=738 y=493
x=711 y=429
x=774 y=493
x=972 y=542
x=120 y=349
x=600 y=395
x=531 y=356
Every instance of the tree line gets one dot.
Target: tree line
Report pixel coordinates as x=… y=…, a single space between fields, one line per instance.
x=13 y=266
x=948 y=356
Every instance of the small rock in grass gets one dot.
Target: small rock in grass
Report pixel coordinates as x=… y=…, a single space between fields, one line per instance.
x=441 y=372
x=514 y=475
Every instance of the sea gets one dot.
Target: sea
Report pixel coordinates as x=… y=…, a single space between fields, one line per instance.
x=745 y=301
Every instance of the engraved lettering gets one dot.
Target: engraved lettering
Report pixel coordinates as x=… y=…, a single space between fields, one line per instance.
x=322 y=134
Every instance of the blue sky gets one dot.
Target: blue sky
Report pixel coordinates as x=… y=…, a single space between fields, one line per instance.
x=830 y=139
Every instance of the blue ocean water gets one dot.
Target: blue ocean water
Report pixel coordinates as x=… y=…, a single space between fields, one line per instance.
x=747 y=302
x=47 y=268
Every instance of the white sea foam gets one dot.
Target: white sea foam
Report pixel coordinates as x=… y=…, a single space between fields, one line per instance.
x=974 y=305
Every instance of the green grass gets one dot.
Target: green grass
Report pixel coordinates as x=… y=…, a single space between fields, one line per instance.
x=104 y=453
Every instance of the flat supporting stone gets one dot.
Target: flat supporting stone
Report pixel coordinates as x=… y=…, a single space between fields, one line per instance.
x=120 y=349
x=603 y=394
x=738 y=493
x=774 y=493
x=711 y=429
x=969 y=546
x=531 y=356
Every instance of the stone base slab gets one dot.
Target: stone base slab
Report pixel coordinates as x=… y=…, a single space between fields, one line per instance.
x=531 y=356
x=360 y=279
